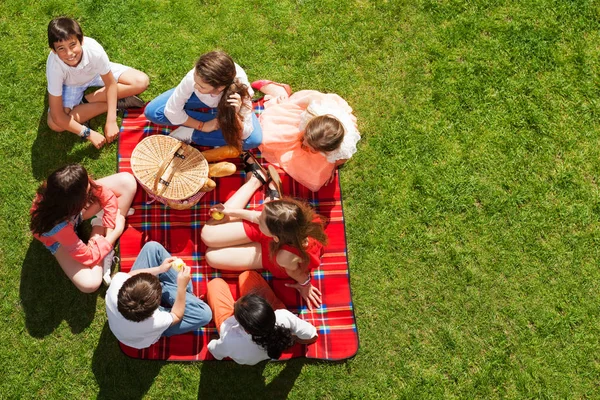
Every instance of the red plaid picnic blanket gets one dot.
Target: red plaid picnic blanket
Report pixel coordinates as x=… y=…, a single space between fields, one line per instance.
x=179 y=232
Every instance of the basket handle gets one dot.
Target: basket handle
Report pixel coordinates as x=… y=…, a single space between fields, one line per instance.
x=164 y=165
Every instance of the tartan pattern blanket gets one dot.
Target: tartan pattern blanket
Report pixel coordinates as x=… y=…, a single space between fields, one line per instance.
x=179 y=232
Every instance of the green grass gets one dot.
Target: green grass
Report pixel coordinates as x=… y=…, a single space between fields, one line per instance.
x=471 y=206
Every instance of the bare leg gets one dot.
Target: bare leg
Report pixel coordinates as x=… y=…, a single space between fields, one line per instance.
x=124 y=187
x=235 y=258
x=274 y=90
x=86 y=279
x=130 y=83
x=231 y=233
x=80 y=113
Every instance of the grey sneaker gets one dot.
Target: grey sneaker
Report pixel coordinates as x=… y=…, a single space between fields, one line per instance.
x=107 y=264
x=130 y=102
x=183 y=133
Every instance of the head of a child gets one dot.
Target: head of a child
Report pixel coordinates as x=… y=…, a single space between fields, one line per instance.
x=139 y=297
x=290 y=222
x=64 y=194
x=323 y=133
x=65 y=38
x=258 y=319
x=215 y=74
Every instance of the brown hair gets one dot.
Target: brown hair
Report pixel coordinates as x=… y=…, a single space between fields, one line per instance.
x=324 y=133
x=62 y=196
x=62 y=28
x=217 y=69
x=293 y=221
x=139 y=297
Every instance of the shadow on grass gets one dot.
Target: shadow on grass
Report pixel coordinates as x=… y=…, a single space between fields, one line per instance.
x=119 y=376
x=228 y=380
x=51 y=150
x=48 y=297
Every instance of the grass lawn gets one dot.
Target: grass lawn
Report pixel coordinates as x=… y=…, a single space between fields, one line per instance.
x=472 y=204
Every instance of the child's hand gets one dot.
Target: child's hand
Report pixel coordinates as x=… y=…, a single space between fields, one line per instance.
x=111 y=131
x=184 y=276
x=235 y=100
x=218 y=214
x=310 y=294
x=97 y=139
x=210 y=126
x=164 y=267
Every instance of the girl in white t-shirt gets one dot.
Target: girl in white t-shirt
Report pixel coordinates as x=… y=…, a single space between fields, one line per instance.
x=212 y=104
x=257 y=326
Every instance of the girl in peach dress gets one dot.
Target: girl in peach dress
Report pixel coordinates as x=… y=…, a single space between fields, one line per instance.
x=308 y=134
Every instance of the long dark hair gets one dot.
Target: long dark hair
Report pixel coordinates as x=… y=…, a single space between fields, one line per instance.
x=257 y=318
x=217 y=69
x=63 y=195
x=293 y=221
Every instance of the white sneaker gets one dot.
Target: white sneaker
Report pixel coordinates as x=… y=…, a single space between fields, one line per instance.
x=183 y=133
x=107 y=264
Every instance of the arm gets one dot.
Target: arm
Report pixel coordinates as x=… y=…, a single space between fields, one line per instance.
x=248 y=215
x=109 y=203
x=66 y=121
x=303 y=332
x=291 y=263
x=179 y=306
x=164 y=267
x=89 y=254
x=174 y=107
x=111 y=129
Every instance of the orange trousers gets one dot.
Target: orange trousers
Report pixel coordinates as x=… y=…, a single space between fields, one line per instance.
x=220 y=300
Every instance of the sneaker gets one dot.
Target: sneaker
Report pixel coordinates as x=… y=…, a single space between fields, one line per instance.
x=183 y=133
x=107 y=264
x=130 y=102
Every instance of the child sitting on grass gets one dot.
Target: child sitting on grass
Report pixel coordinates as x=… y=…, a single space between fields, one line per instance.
x=77 y=63
x=153 y=300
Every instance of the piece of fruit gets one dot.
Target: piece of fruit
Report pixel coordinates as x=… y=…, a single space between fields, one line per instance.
x=178 y=264
x=217 y=215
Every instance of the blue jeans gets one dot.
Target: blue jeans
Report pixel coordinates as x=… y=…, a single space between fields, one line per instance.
x=155 y=112
x=197 y=313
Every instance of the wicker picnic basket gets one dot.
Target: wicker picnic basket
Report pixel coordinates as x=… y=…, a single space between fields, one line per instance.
x=171 y=171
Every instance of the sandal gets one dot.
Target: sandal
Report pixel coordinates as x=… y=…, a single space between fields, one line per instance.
x=254 y=167
x=257 y=85
x=274 y=177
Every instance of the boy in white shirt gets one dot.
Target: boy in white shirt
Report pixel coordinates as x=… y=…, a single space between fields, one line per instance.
x=77 y=63
x=153 y=300
x=257 y=326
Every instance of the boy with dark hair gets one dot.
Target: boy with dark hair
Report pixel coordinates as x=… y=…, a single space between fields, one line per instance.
x=153 y=300
x=76 y=63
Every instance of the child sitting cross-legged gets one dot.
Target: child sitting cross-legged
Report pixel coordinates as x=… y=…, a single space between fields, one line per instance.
x=75 y=63
x=153 y=300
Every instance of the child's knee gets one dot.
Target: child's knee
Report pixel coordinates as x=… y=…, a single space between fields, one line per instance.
x=211 y=256
x=205 y=236
x=53 y=126
x=88 y=285
x=128 y=181
x=141 y=81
